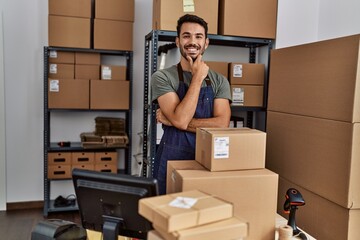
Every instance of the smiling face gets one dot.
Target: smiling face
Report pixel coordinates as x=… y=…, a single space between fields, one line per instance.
x=192 y=40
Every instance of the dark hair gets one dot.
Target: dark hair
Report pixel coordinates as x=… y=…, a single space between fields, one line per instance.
x=192 y=19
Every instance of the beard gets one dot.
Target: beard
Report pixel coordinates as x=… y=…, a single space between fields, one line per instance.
x=196 y=46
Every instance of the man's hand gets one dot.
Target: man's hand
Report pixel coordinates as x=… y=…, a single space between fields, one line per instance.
x=198 y=68
x=160 y=117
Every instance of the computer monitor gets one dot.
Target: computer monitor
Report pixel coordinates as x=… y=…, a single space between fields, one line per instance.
x=108 y=202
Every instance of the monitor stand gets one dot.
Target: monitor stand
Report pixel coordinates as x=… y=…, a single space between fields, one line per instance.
x=111 y=227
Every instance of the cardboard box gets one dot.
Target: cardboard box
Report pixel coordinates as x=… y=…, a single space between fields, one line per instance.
x=246 y=73
x=112 y=72
x=109 y=94
x=257 y=18
x=106 y=157
x=87 y=58
x=88 y=166
x=318 y=79
x=103 y=167
x=320 y=217
x=184 y=210
x=166 y=13
x=318 y=154
x=70 y=8
x=70 y=32
x=83 y=71
x=56 y=158
x=219 y=67
x=68 y=93
x=253 y=193
x=115 y=10
x=60 y=70
x=228 y=229
x=59 y=171
x=82 y=157
x=113 y=35
x=221 y=149
x=247 y=95
x=61 y=57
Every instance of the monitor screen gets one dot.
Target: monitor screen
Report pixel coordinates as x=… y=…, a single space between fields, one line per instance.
x=108 y=202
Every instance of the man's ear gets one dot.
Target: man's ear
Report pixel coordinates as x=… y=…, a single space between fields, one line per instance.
x=177 y=41
x=207 y=43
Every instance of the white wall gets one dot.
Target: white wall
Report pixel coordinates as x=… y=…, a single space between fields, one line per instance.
x=25 y=34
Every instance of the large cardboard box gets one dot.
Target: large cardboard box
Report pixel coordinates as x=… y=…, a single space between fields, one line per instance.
x=113 y=35
x=221 y=149
x=61 y=70
x=166 y=13
x=247 y=95
x=61 y=57
x=320 y=217
x=252 y=192
x=115 y=10
x=318 y=154
x=246 y=73
x=90 y=58
x=228 y=229
x=320 y=79
x=85 y=71
x=70 y=8
x=68 y=93
x=112 y=72
x=219 y=67
x=70 y=32
x=184 y=210
x=256 y=18
x=109 y=94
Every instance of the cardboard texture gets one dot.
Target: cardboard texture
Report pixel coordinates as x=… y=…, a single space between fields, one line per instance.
x=318 y=154
x=68 y=93
x=221 y=149
x=70 y=32
x=55 y=158
x=115 y=10
x=219 y=67
x=84 y=71
x=113 y=35
x=109 y=94
x=246 y=73
x=87 y=58
x=247 y=95
x=166 y=13
x=82 y=158
x=320 y=217
x=70 y=8
x=255 y=18
x=320 y=79
x=228 y=229
x=60 y=70
x=253 y=193
x=112 y=72
x=61 y=57
x=184 y=210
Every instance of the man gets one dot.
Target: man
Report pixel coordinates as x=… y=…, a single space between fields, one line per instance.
x=189 y=96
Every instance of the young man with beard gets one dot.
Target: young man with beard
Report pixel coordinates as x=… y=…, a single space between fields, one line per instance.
x=190 y=95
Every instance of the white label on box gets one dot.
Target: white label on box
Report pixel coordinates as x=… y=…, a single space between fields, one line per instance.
x=106 y=73
x=221 y=147
x=237 y=71
x=188 y=6
x=238 y=96
x=53 y=68
x=183 y=202
x=53 y=54
x=54 y=86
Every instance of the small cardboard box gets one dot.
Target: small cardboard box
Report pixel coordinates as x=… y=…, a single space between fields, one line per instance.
x=88 y=166
x=113 y=35
x=59 y=171
x=221 y=149
x=109 y=94
x=166 y=13
x=84 y=71
x=56 y=158
x=247 y=95
x=82 y=157
x=87 y=58
x=115 y=10
x=70 y=32
x=61 y=57
x=253 y=193
x=68 y=93
x=246 y=73
x=228 y=229
x=184 y=210
x=112 y=72
x=103 y=167
x=219 y=67
x=61 y=70
x=106 y=157
x=70 y=8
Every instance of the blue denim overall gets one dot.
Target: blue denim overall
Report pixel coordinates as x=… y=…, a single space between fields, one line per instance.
x=176 y=144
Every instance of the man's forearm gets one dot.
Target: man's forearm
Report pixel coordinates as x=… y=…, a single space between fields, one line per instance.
x=214 y=122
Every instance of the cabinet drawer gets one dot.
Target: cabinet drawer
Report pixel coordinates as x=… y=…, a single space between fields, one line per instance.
x=83 y=166
x=82 y=157
x=59 y=171
x=103 y=167
x=106 y=157
x=57 y=158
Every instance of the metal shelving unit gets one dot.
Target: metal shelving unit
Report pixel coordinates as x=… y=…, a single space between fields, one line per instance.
x=151 y=64
x=76 y=146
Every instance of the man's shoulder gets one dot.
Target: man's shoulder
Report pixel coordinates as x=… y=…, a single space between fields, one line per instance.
x=167 y=71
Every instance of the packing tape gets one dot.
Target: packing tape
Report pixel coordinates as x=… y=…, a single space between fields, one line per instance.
x=285 y=232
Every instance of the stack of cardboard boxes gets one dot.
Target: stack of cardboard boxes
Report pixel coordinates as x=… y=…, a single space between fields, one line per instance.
x=313 y=128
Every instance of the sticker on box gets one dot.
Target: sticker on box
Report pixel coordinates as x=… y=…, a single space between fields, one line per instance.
x=53 y=68
x=106 y=73
x=221 y=147
x=54 y=86
x=183 y=202
x=188 y=6
x=238 y=96
x=53 y=54
x=237 y=71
